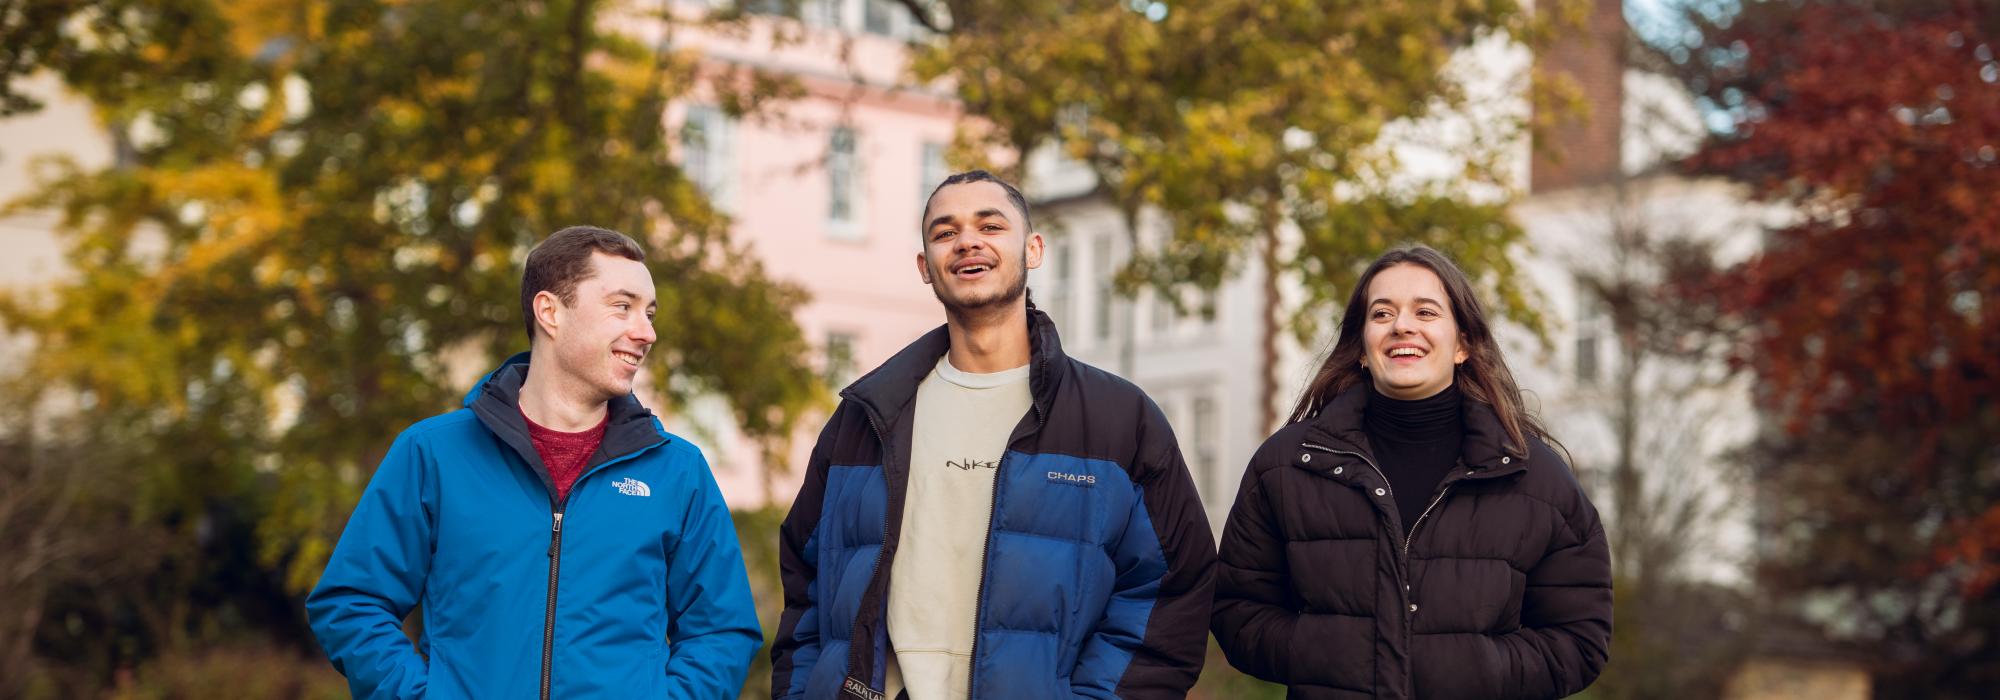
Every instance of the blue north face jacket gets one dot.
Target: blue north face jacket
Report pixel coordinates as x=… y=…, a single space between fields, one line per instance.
x=1099 y=567
x=632 y=587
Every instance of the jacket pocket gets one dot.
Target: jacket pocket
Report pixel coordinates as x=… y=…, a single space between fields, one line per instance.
x=1332 y=650
x=1509 y=618
x=439 y=682
x=662 y=658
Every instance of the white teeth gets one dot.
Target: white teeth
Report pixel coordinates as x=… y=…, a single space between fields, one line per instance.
x=629 y=358
x=1405 y=352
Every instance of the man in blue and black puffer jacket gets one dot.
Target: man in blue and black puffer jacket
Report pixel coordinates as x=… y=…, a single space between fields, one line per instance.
x=984 y=517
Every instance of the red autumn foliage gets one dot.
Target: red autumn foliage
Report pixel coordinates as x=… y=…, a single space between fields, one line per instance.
x=1885 y=296
x=1872 y=321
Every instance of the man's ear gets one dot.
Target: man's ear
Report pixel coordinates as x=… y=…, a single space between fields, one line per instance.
x=546 y=316
x=923 y=267
x=1034 y=251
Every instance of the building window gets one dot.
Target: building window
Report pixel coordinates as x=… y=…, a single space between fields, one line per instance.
x=930 y=172
x=766 y=7
x=1162 y=315
x=821 y=13
x=843 y=182
x=706 y=153
x=1055 y=287
x=880 y=17
x=838 y=367
x=1589 y=332
x=1055 y=260
x=1206 y=466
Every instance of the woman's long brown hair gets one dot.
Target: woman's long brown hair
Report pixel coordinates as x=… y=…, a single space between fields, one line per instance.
x=1484 y=376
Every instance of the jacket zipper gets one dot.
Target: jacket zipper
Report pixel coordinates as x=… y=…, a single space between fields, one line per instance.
x=979 y=600
x=1420 y=519
x=549 y=618
x=1405 y=560
x=555 y=566
x=1391 y=492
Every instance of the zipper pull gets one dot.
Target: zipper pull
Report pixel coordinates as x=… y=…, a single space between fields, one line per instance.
x=555 y=535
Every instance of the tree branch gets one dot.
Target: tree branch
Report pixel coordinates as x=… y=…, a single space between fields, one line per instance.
x=921 y=12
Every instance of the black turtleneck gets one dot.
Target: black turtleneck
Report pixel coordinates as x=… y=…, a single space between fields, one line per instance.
x=1417 y=444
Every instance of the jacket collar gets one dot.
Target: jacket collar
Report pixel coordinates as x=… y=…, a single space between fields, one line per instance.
x=888 y=390
x=496 y=400
x=1483 y=449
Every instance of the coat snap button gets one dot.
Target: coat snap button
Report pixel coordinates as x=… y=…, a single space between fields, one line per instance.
x=1506 y=460
x=1413 y=607
x=1305 y=458
x=1338 y=470
x=1379 y=492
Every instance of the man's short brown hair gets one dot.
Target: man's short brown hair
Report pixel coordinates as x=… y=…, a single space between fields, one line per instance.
x=562 y=262
x=970 y=176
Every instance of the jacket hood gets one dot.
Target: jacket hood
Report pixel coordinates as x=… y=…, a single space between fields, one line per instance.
x=479 y=387
x=890 y=388
x=496 y=400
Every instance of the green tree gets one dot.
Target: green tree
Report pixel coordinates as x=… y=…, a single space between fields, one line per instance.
x=1255 y=126
x=314 y=229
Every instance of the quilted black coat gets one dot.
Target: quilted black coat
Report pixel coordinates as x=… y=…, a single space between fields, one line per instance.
x=1503 y=590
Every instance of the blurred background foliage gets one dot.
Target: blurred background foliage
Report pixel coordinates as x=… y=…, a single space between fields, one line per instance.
x=1869 y=321
x=318 y=209
x=313 y=229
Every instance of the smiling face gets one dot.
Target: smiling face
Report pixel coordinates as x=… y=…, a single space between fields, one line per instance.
x=600 y=340
x=1412 y=344
x=977 y=251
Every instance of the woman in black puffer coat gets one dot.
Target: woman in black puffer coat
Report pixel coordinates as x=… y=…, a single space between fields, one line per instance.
x=1410 y=534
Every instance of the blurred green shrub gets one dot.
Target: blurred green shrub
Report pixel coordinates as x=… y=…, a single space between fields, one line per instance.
x=247 y=671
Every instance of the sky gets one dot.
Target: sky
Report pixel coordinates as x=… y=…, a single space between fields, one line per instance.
x=1656 y=21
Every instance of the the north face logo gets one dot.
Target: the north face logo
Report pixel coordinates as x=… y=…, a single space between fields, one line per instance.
x=633 y=487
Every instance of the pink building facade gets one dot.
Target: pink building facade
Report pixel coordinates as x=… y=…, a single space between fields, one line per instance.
x=827 y=191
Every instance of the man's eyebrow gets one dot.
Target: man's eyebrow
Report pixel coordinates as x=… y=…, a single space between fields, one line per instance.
x=629 y=293
x=981 y=214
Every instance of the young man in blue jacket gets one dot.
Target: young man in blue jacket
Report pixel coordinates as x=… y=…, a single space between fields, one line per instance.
x=561 y=542
x=984 y=517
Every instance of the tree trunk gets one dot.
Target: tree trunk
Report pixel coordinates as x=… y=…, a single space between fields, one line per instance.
x=1627 y=485
x=1267 y=394
x=1128 y=361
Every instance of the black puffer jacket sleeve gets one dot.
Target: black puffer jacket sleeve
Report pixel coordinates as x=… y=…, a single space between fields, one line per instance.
x=1165 y=581
x=1565 y=634
x=797 y=645
x=1255 y=607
